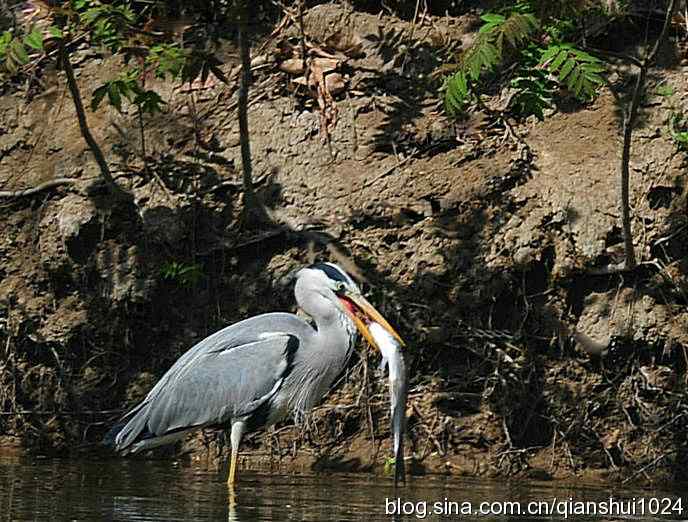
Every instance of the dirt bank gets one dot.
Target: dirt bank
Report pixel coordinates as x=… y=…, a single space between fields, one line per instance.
x=486 y=247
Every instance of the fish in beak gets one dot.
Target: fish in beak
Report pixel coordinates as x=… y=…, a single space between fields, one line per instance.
x=379 y=333
x=398 y=387
x=363 y=314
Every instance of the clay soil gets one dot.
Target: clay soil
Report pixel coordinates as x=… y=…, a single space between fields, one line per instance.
x=485 y=245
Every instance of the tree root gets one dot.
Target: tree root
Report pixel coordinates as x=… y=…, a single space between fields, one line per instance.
x=38 y=188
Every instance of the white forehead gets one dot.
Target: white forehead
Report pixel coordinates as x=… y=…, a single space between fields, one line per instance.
x=328 y=273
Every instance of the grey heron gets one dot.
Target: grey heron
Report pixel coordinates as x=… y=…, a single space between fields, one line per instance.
x=256 y=372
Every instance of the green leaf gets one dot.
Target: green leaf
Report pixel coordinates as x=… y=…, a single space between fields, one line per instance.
x=34 y=39
x=149 y=102
x=457 y=92
x=593 y=68
x=556 y=63
x=549 y=53
x=665 y=89
x=55 y=32
x=583 y=56
x=5 y=40
x=492 y=18
x=18 y=53
x=574 y=81
x=566 y=69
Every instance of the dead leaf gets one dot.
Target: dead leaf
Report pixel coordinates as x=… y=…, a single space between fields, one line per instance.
x=292 y=66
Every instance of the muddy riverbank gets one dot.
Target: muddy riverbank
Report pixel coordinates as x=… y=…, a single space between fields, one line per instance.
x=485 y=246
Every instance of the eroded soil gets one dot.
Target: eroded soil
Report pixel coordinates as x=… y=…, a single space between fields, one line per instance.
x=487 y=248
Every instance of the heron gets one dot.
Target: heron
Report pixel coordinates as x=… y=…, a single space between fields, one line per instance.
x=258 y=371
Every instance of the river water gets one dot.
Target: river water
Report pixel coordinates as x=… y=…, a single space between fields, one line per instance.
x=121 y=489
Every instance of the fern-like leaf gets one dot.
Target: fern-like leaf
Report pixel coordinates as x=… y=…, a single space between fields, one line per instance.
x=578 y=70
x=485 y=53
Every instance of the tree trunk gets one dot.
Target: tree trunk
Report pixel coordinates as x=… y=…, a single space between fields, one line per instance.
x=83 y=124
x=629 y=123
x=253 y=212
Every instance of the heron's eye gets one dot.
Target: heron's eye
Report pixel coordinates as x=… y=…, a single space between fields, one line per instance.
x=339 y=287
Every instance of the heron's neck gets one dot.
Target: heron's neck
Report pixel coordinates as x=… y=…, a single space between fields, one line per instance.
x=335 y=331
x=326 y=355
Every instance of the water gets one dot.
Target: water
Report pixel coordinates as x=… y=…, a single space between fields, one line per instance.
x=135 y=490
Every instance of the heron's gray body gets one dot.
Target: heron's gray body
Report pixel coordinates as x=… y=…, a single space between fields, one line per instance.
x=248 y=375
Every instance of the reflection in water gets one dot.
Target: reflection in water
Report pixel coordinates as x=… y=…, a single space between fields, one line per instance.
x=137 y=490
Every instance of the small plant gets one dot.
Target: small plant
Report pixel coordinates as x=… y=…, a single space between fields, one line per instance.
x=183 y=274
x=665 y=90
x=678 y=130
x=389 y=465
x=542 y=61
x=579 y=70
x=486 y=53
x=16 y=51
x=127 y=86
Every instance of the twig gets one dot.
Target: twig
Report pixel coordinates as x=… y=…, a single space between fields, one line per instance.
x=38 y=188
x=629 y=122
x=251 y=204
x=83 y=124
x=303 y=40
x=644 y=468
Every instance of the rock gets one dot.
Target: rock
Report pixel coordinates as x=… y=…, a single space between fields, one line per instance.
x=74 y=214
x=120 y=274
x=594 y=323
x=162 y=223
x=524 y=256
x=69 y=232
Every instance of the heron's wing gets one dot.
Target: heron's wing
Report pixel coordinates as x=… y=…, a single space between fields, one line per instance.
x=228 y=375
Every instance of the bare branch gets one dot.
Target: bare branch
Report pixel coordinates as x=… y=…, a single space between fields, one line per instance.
x=38 y=188
x=83 y=124
x=629 y=122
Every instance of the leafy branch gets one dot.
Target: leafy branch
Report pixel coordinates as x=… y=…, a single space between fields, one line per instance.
x=539 y=69
x=486 y=52
x=578 y=69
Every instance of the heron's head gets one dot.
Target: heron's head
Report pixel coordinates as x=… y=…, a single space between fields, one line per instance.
x=331 y=282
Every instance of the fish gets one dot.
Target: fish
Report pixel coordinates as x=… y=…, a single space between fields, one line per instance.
x=393 y=359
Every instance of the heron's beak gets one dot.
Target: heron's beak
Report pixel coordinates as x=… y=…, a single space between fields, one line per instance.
x=362 y=313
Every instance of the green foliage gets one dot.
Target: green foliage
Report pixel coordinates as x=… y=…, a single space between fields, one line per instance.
x=389 y=465
x=108 y=23
x=183 y=274
x=665 y=89
x=486 y=52
x=580 y=71
x=201 y=64
x=520 y=36
x=16 y=51
x=167 y=60
x=34 y=39
x=533 y=93
x=678 y=129
x=126 y=86
x=149 y=102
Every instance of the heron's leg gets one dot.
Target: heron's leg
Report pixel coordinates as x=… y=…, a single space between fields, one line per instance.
x=237 y=432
